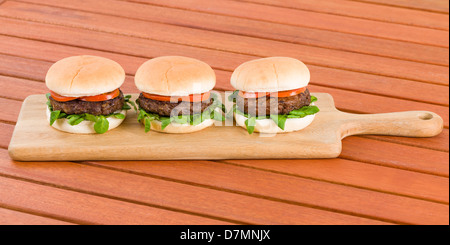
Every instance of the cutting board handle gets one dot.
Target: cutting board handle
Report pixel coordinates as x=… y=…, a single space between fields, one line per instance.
x=408 y=123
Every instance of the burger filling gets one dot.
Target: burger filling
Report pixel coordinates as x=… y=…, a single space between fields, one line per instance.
x=166 y=108
x=95 y=108
x=275 y=106
x=183 y=112
x=91 y=108
x=266 y=105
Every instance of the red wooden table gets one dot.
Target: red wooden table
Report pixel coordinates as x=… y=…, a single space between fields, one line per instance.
x=372 y=56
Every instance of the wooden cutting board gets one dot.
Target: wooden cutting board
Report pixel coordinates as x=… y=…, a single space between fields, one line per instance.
x=34 y=140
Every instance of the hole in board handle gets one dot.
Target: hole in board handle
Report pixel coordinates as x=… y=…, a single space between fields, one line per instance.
x=426 y=116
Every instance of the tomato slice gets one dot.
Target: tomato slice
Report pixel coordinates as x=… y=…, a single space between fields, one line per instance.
x=190 y=98
x=61 y=98
x=287 y=93
x=100 y=97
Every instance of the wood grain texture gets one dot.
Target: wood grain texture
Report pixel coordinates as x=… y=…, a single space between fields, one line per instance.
x=328 y=22
x=352 y=173
x=230 y=43
x=322 y=139
x=366 y=11
x=308 y=191
x=87 y=208
x=6 y=131
x=256 y=28
x=140 y=189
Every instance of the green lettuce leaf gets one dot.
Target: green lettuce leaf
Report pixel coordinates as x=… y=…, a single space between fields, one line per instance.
x=250 y=124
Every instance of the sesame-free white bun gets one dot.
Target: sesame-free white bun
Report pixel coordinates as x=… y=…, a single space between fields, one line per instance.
x=271 y=74
x=268 y=126
x=175 y=76
x=84 y=75
x=85 y=127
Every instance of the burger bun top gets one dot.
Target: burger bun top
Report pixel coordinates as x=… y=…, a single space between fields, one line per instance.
x=84 y=75
x=175 y=76
x=271 y=74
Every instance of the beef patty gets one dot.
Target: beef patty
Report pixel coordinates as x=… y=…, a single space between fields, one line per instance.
x=262 y=106
x=164 y=108
x=95 y=108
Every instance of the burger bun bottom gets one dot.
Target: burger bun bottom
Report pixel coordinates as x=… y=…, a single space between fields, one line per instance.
x=178 y=128
x=268 y=126
x=85 y=127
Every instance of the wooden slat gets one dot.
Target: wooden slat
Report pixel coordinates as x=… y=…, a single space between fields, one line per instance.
x=322 y=76
x=12 y=217
x=22 y=68
x=430 y=143
x=232 y=43
x=10 y=110
x=172 y=195
x=274 y=31
x=429 y=5
x=20 y=87
x=396 y=155
x=364 y=10
x=6 y=131
x=325 y=21
x=311 y=192
x=87 y=209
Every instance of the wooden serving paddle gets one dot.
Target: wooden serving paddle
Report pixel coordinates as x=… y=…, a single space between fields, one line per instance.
x=34 y=140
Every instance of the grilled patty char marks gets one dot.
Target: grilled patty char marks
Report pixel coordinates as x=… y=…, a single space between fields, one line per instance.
x=282 y=105
x=95 y=108
x=164 y=108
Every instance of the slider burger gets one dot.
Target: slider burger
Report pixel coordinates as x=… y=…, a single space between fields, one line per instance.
x=85 y=96
x=271 y=95
x=176 y=95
